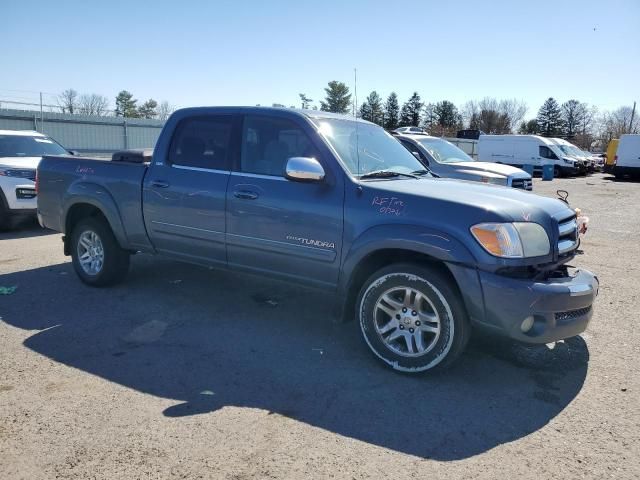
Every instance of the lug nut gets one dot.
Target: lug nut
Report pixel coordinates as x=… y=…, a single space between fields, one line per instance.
x=411 y=330
x=401 y=327
x=414 y=313
x=404 y=309
x=417 y=323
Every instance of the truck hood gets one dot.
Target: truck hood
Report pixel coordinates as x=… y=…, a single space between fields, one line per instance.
x=470 y=202
x=20 y=162
x=506 y=170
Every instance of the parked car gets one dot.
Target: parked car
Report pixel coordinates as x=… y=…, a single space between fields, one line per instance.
x=448 y=161
x=329 y=201
x=569 y=149
x=519 y=150
x=20 y=153
x=414 y=130
x=627 y=158
x=612 y=149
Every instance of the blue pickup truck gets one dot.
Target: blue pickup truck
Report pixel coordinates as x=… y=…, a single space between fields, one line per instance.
x=327 y=201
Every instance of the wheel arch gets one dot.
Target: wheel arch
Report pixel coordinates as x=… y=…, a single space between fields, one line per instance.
x=91 y=200
x=420 y=246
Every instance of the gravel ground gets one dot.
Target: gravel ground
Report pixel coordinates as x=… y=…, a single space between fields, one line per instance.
x=185 y=372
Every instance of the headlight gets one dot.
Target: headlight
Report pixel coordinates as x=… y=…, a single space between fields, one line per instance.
x=569 y=161
x=512 y=240
x=494 y=180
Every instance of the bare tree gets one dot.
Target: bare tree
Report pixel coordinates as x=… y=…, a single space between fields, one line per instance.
x=494 y=116
x=93 y=104
x=164 y=110
x=68 y=101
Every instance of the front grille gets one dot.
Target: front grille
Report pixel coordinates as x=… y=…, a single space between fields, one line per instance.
x=523 y=183
x=566 y=317
x=567 y=236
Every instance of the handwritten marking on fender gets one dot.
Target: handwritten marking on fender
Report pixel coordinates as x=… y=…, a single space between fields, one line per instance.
x=388 y=205
x=85 y=170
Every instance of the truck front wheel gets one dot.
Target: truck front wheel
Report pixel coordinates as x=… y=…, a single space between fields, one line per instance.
x=412 y=318
x=97 y=258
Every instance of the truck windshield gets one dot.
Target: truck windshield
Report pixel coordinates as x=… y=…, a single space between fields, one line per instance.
x=365 y=148
x=443 y=151
x=28 y=146
x=571 y=150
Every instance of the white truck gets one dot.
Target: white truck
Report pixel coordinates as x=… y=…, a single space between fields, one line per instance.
x=20 y=153
x=520 y=150
x=627 y=159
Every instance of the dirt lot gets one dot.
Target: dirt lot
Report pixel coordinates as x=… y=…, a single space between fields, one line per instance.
x=185 y=372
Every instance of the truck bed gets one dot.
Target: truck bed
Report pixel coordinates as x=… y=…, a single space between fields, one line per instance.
x=120 y=180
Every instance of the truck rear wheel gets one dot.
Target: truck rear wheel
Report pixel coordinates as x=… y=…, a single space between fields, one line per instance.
x=412 y=318
x=97 y=258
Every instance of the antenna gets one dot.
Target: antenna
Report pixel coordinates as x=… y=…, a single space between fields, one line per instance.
x=355 y=114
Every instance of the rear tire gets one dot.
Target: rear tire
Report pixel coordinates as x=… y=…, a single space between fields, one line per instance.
x=412 y=318
x=97 y=257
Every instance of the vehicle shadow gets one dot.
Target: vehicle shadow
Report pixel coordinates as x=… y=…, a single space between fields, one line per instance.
x=211 y=339
x=25 y=229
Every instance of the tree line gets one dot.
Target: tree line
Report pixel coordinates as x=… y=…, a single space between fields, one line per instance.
x=577 y=121
x=126 y=105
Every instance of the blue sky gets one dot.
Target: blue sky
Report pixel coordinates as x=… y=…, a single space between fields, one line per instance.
x=264 y=52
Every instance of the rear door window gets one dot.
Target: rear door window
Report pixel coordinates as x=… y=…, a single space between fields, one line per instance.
x=203 y=142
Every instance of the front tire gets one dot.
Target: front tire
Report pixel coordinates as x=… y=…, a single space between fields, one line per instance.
x=97 y=257
x=412 y=318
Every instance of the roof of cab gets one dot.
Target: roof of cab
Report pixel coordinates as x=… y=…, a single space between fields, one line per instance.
x=312 y=114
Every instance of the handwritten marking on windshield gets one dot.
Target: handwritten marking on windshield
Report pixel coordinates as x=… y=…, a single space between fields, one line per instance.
x=388 y=205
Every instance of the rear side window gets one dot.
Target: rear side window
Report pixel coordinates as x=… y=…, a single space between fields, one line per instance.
x=202 y=142
x=545 y=152
x=268 y=142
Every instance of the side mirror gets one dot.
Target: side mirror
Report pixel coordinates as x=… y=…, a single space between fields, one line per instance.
x=304 y=169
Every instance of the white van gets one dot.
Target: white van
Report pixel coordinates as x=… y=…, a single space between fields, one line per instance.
x=627 y=159
x=519 y=150
x=571 y=150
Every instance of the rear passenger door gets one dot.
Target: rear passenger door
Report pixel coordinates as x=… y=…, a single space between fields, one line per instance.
x=184 y=195
x=275 y=225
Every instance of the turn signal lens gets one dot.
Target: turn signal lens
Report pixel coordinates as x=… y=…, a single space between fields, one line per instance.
x=499 y=239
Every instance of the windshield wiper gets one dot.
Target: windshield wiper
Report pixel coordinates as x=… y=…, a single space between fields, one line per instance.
x=425 y=171
x=386 y=174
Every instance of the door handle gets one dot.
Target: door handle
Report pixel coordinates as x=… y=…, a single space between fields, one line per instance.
x=245 y=194
x=159 y=183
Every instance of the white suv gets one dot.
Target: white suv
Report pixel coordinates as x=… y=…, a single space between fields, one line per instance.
x=20 y=153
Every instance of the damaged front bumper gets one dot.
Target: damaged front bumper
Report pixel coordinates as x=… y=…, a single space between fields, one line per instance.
x=538 y=311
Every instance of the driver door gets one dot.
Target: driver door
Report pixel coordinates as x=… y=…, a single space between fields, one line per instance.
x=278 y=226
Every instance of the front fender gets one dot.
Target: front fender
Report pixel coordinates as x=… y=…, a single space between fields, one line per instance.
x=99 y=197
x=437 y=244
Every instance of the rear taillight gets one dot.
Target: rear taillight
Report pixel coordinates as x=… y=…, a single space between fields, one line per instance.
x=36 y=181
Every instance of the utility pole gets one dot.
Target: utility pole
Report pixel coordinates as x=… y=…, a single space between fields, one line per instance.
x=633 y=114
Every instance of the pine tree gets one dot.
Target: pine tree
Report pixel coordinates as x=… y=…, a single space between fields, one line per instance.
x=375 y=106
x=338 y=98
x=148 y=109
x=391 y=112
x=549 y=119
x=126 y=105
x=415 y=105
x=365 y=111
x=304 y=101
x=405 y=116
